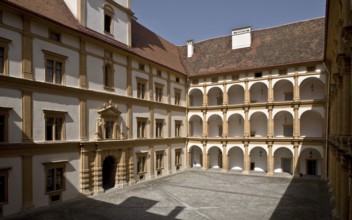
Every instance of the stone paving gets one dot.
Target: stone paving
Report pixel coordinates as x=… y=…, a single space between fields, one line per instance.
x=201 y=195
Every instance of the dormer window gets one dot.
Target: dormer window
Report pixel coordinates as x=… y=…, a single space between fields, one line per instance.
x=108 y=19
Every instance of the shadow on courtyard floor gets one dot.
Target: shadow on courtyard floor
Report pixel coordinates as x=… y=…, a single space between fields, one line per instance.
x=90 y=209
x=302 y=194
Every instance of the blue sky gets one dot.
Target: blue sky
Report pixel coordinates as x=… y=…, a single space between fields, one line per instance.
x=180 y=20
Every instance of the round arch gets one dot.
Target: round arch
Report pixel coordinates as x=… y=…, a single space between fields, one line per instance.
x=196 y=156
x=236 y=158
x=283 y=160
x=258 y=157
x=215 y=157
x=312 y=88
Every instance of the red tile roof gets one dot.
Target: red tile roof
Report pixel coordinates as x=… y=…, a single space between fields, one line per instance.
x=287 y=44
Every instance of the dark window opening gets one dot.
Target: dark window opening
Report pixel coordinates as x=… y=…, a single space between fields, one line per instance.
x=107 y=23
x=2 y=128
x=257 y=75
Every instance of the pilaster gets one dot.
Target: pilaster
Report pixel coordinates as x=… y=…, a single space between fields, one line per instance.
x=27 y=116
x=83 y=119
x=27 y=50
x=82 y=64
x=151 y=164
x=97 y=179
x=27 y=182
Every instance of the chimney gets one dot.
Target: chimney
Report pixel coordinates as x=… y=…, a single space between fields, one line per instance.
x=190 y=48
x=241 y=38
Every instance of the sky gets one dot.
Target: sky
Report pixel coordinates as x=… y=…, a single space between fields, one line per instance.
x=180 y=20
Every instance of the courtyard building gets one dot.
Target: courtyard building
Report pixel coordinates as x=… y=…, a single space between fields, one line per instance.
x=92 y=100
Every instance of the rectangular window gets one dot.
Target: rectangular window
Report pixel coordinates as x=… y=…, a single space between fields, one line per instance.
x=2 y=60
x=54 y=125
x=283 y=72
x=2 y=128
x=141 y=66
x=107 y=23
x=158 y=72
x=177 y=79
x=288 y=96
x=141 y=88
x=159 y=128
x=195 y=81
x=310 y=68
x=141 y=164
x=55 y=179
x=54 y=67
x=158 y=92
x=214 y=79
x=258 y=75
x=55 y=36
x=141 y=127
x=177 y=97
x=178 y=159
x=4 y=173
x=178 y=125
x=4 y=115
x=235 y=77
x=159 y=162
x=288 y=130
x=109 y=128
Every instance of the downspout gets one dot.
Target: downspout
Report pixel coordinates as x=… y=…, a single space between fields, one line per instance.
x=327 y=123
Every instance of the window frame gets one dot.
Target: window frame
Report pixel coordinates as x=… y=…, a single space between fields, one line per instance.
x=178 y=125
x=55 y=58
x=159 y=128
x=159 y=161
x=177 y=94
x=141 y=128
x=6 y=113
x=4 y=43
x=141 y=172
x=141 y=92
x=159 y=92
x=55 y=115
x=5 y=173
x=109 y=12
x=55 y=192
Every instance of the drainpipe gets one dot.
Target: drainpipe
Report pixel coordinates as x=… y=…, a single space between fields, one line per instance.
x=327 y=123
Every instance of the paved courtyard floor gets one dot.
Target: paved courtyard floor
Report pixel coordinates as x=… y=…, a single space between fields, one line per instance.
x=201 y=195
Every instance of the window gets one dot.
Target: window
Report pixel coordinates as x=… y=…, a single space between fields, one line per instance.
x=4 y=175
x=177 y=79
x=158 y=73
x=195 y=81
x=55 y=179
x=235 y=77
x=159 y=128
x=158 y=92
x=108 y=19
x=283 y=72
x=178 y=159
x=178 y=125
x=214 y=79
x=288 y=96
x=107 y=123
x=288 y=130
x=4 y=115
x=177 y=97
x=108 y=77
x=141 y=127
x=55 y=36
x=159 y=161
x=54 y=125
x=4 y=63
x=141 y=88
x=258 y=75
x=141 y=165
x=310 y=68
x=141 y=66
x=54 y=67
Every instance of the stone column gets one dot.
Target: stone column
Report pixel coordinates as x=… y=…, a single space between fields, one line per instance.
x=246 y=93
x=270 y=122
x=344 y=190
x=27 y=116
x=205 y=124
x=27 y=182
x=205 y=96
x=84 y=173
x=246 y=159
x=205 y=157
x=225 y=124
x=246 y=132
x=296 y=123
x=189 y=159
x=97 y=179
x=131 y=180
x=270 y=91
x=151 y=162
x=225 y=165
x=225 y=97
x=296 y=167
x=296 y=95
x=270 y=159
x=169 y=158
